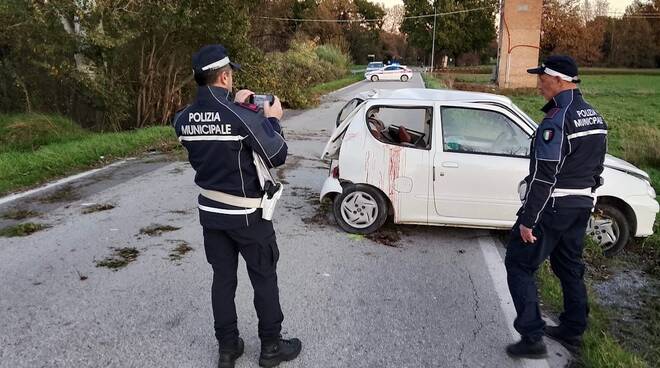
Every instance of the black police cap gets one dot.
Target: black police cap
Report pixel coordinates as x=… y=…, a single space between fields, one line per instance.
x=211 y=57
x=558 y=66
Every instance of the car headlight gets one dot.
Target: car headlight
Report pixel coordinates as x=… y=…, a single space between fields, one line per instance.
x=650 y=189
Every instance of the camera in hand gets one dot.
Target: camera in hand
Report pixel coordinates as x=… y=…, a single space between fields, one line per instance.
x=260 y=100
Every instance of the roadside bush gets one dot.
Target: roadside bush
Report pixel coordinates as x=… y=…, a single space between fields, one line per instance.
x=28 y=132
x=333 y=55
x=292 y=74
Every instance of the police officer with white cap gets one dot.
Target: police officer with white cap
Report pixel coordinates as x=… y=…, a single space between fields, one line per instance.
x=231 y=145
x=558 y=196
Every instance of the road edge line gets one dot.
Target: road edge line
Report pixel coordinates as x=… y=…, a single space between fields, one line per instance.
x=68 y=179
x=497 y=271
x=346 y=87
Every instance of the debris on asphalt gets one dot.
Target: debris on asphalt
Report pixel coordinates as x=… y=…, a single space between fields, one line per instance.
x=157 y=229
x=19 y=214
x=66 y=194
x=386 y=237
x=24 y=229
x=356 y=237
x=97 y=207
x=120 y=258
x=180 y=250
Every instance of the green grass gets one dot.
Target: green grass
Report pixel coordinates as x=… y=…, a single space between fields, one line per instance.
x=28 y=132
x=432 y=82
x=618 y=71
x=23 y=229
x=327 y=87
x=23 y=167
x=600 y=349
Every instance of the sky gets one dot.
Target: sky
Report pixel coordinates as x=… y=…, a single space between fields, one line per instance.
x=615 y=5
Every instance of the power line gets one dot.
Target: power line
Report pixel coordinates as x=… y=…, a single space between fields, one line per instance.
x=371 y=20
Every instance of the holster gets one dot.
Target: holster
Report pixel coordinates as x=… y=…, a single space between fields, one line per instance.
x=272 y=188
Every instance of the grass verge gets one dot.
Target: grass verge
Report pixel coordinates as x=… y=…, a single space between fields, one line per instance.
x=432 y=82
x=21 y=169
x=327 y=87
x=600 y=349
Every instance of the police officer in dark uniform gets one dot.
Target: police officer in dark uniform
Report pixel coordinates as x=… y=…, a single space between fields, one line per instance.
x=558 y=196
x=221 y=134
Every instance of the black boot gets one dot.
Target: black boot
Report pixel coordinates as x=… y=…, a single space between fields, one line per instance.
x=228 y=355
x=572 y=343
x=275 y=352
x=528 y=349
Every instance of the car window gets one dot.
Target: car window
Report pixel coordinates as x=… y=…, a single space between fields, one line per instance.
x=469 y=130
x=392 y=68
x=401 y=126
x=347 y=109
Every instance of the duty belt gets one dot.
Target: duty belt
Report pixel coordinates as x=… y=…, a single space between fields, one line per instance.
x=231 y=200
x=558 y=192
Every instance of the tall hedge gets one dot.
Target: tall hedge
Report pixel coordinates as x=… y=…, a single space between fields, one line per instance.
x=114 y=64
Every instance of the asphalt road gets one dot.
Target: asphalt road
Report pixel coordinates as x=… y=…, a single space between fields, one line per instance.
x=438 y=298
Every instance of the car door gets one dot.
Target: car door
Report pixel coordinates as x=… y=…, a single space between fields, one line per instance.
x=347 y=109
x=390 y=73
x=481 y=156
x=399 y=170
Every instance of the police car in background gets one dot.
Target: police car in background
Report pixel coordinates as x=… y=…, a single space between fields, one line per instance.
x=390 y=72
x=374 y=65
x=455 y=158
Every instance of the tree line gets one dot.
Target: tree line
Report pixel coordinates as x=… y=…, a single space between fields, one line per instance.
x=594 y=36
x=121 y=64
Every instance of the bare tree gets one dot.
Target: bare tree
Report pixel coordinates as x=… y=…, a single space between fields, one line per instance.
x=393 y=18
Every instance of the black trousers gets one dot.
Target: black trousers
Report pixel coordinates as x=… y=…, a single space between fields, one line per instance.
x=258 y=246
x=560 y=235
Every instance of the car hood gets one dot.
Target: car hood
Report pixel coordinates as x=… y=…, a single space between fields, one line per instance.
x=625 y=166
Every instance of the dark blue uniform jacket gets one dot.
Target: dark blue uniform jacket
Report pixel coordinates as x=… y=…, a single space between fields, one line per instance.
x=220 y=137
x=567 y=152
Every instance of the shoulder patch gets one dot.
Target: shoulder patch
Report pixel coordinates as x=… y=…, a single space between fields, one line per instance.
x=249 y=106
x=548 y=134
x=552 y=112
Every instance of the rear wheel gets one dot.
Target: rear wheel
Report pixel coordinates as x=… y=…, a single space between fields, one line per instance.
x=374 y=78
x=404 y=78
x=360 y=209
x=609 y=228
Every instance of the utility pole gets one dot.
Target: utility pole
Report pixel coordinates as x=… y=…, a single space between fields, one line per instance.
x=435 y=15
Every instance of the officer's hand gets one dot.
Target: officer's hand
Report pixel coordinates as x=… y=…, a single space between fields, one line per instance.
x=274 y=110
x=526 y=234
x=243 y=95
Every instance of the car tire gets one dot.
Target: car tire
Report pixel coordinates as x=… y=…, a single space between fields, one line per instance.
x=374 y=78
x=360 y=209
x=404 y=78
x=609 y=228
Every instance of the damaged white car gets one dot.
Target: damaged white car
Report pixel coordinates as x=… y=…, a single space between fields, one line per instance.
x=454 y=158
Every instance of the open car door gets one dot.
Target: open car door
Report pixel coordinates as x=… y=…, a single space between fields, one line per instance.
x=331 y=150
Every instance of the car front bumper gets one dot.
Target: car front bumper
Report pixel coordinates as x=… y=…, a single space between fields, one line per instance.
x=645 y=209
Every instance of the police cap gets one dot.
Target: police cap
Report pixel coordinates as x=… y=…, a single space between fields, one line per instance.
x=560 y=66
x=211 y=57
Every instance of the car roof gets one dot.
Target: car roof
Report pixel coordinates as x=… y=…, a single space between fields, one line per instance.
x=426 y=94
